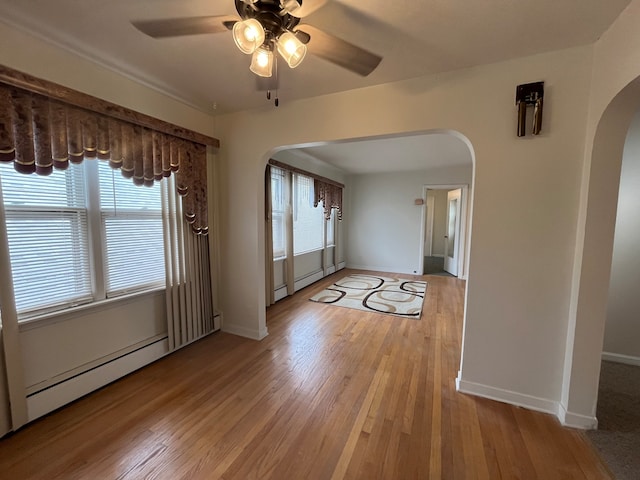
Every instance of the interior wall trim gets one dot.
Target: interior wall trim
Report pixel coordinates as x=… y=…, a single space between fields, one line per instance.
x=507 y=396
x=619 y=358
x=575 y=420
x=46 y=401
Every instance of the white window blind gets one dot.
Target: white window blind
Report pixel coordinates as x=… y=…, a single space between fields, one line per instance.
x=48 y=238
x=308 y=221
x=133 y=236
x=278 y=205
x=50 y=225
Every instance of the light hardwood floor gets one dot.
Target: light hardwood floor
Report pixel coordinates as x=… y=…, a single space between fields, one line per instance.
x=331 y=393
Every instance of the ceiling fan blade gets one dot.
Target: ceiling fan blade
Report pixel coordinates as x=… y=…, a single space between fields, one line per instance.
x=340 y=52
x=177 y=27
x=308 y=7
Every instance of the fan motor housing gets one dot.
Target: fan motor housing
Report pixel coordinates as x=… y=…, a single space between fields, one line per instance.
x=273 y=18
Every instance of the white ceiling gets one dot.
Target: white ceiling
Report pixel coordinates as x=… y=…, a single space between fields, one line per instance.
x=414 y=37
x=391 y=154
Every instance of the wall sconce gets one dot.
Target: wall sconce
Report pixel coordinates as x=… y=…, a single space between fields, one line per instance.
x=529 y=94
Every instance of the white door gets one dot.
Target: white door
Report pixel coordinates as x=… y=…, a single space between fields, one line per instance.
x=453 y=232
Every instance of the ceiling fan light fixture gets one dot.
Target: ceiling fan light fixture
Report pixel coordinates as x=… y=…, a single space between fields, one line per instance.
x=291 y=5
x=248 y=35
x=291 y=49
x=262 y=62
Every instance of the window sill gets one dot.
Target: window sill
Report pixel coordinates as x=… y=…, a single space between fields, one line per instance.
x=40 y=320
x=299 y=254
x=278 y=259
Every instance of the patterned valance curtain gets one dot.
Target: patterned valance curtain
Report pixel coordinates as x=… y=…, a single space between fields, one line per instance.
x=327 y=191
x=38 y=134
x=330 y=195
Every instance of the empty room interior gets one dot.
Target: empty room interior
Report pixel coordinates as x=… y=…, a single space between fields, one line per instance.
x=319 y=239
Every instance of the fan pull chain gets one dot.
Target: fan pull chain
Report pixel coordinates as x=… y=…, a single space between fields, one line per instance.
x=276 y=102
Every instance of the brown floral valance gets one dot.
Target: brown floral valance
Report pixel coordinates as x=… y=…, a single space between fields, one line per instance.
x=327 y=191
x=39 y=133
x=330 y=195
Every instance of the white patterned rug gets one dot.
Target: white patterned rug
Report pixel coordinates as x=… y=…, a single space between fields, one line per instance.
x=394 y=296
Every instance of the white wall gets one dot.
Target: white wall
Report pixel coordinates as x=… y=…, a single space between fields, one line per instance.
x=613 y=101
x=52 y=350
x=622 y=329
x=384 y=231
x=516 y=313
x=55 y=348
x=306 y=264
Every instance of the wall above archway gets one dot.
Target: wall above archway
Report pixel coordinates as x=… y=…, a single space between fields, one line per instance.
x=395 y=153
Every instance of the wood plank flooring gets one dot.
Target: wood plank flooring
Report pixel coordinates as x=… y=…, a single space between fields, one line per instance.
x=331 y=393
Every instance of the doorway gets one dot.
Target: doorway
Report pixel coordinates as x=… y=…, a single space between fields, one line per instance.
x=618 y=408
x=443 y=233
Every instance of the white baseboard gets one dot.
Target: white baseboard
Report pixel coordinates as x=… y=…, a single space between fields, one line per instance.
x=619 y=358
x=507 y=396
x=51 y=398
x=308 y=280
x=280 y=293
x=377 y=268
x=567 y=419
x=575 y=420
x=245 y=332
x=217 y=322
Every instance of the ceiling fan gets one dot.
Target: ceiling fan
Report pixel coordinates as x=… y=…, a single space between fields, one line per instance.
x=267 y=28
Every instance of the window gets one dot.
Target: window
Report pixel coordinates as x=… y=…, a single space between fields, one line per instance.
x=278 y=205
x=47 y=226
x=308 y=221
x=80 y=235
x=131 y=218
x=293 y=194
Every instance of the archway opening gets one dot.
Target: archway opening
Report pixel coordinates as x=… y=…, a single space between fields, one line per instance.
x=594 y=260
x=385 y=179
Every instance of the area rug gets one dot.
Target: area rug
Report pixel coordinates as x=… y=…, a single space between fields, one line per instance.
x=390 y=295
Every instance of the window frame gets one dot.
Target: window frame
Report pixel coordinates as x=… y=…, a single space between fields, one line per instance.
x=296 y=202
x=96 y=244
x=279 y=213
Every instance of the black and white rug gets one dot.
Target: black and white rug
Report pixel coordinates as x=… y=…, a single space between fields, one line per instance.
x=390 y=295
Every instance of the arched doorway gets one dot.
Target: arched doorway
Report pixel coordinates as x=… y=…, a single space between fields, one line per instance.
x=593 y=260
x=445 y=157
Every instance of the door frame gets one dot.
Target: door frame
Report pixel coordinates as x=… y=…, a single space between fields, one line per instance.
x=464 y=211
x=454 y=265
x=429 y=213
